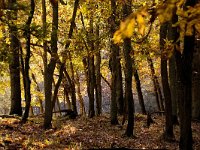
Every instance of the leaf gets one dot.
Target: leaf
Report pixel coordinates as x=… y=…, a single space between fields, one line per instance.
x=130 y=28
x=117 y=38
x=141 y=24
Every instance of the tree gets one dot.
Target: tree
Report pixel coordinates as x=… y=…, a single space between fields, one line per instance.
x=27 y=83
x=14 y=64
x=168 y=135
x=98 y=72
x=138 y=87
x=49 y=70
x=128 y=71
x=113 y=59
x=172 y=36
x=184 y=83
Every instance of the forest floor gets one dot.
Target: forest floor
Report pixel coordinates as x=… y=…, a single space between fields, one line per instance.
x=85 y=133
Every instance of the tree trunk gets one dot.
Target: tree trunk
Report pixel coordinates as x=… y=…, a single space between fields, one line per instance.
x=168 y=134
x=98 y=73
x=196 y=81
x=38 y=89
x=138 y=87
x=114 y=50
x=128 y=74
x=81 y=101
x=27 y=59
x=14 y=65
x=184 y=93
x=155 y=83
x=172 y=36
x=50 y=68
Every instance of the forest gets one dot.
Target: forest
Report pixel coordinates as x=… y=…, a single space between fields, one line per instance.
x=99 y=74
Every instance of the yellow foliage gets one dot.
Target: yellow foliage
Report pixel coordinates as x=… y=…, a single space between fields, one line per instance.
x=128 y=26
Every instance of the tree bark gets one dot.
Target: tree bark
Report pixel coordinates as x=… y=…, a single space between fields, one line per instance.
x=14 y=65
x=155 y=83
x=98 y=73
x=27 y=59
x=138 y=87
x=168 y=133
x=173 y=36
x=50 y=68
x=114 y=50
x=184 y=82
x=128 y=74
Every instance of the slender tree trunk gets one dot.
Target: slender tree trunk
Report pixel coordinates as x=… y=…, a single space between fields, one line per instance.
x=168 y=135
x=128 y=74
x=119 y=88
x=50 y=68
x=153 y=76
x=114 y=49
x=38 y=89
x=14 y=65
x=138 y=87
x=27 y=59
x=98 y=73
x=81 y=101
x=69 y=106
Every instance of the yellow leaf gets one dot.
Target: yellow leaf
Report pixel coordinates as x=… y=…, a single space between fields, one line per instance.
x=117 y=38
x=122 y=25
x=130 y=28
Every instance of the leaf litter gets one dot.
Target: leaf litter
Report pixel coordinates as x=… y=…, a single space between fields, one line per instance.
x=88 y=133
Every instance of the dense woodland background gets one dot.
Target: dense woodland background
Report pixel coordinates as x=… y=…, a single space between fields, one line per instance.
x=103 y=59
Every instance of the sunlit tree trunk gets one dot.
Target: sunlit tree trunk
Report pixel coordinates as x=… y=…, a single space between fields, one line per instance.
x=81 y=101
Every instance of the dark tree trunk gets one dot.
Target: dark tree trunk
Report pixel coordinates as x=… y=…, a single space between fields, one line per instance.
x=98 y=73
x=196 y=81
x=155 y=82
x=14 y=65
x=172 y=36
x=119 y=88
x=184 y=93
x=91 y=70
x=27 y=67
x=50 y=68
x=128 y=74
x=138 y=87
x=168 y=135
x=114 y=50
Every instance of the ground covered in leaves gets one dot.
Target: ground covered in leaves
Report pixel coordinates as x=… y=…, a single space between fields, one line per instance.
x=85 y=133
